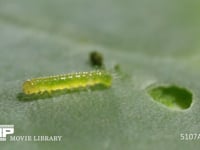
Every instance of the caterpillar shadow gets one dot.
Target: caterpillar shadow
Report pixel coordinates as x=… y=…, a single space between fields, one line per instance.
x=46 y=95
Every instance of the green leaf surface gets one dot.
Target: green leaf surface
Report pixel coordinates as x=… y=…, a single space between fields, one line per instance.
x=154 y=42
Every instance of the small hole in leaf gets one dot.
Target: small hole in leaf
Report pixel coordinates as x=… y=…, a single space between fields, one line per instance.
x=173 y=97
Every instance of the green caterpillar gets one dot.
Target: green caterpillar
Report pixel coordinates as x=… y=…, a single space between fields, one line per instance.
x=67 y=81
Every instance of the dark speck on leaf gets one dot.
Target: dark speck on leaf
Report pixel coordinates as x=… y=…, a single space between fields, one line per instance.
x=96 y=59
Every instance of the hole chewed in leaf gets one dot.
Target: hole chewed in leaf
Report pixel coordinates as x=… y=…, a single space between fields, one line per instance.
x=172 y=96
